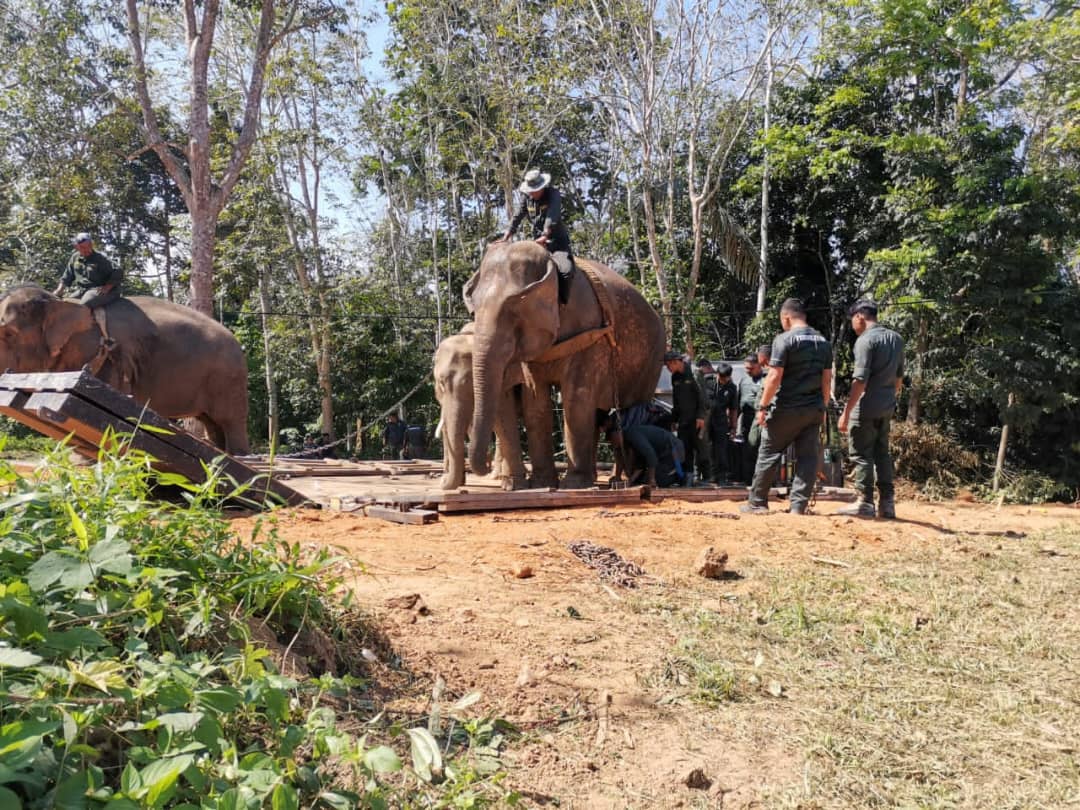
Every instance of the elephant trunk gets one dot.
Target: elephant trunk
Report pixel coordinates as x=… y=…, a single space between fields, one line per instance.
x=489 y=367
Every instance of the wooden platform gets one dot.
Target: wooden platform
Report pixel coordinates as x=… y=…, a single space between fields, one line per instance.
x=78 y=407
x=284 y=467
x=485 y=495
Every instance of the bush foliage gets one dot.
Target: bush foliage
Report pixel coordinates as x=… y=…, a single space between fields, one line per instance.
x=130 y=673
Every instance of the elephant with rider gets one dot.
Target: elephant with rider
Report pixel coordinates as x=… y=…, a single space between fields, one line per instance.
x=178 y=362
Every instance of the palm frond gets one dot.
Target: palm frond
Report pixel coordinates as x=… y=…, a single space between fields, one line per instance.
x=737 y=249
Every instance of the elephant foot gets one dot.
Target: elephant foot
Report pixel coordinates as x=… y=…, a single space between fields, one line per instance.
x=449 y=481
x=576 y=480
x=511 y=483
x=543 y=482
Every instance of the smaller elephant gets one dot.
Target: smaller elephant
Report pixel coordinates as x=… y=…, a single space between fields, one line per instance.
x=454 y=390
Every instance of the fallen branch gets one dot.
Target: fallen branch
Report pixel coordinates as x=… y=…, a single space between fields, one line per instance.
x=827 y=561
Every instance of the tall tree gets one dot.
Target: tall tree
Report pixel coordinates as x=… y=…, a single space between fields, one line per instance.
x=204 y=185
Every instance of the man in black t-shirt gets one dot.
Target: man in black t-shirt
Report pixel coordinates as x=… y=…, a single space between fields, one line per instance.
x=541 y=206
x=792 y=408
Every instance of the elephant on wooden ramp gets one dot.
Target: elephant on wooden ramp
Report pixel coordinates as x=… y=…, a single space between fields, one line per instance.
x=519 y=320
x=169 y=357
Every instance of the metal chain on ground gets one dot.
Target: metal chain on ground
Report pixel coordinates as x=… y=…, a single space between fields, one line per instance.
x=606 y=514
x=607 y=563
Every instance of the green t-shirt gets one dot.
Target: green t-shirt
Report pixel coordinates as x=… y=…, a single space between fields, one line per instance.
x=87 y=272
x=879 y=362
x=803 y=353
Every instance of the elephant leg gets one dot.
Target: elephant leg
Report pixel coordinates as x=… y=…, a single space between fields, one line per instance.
x=511 y=468
x=213 y=432
x=456 y=419
x=232 y=435
x=579 y=432
x=536 y=409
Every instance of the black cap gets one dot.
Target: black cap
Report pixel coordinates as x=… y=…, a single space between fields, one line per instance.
x=672 y=356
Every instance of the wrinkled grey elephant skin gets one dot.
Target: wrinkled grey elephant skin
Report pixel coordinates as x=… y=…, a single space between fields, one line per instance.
x=514 y=300
x=454 y=391
x=169 y=357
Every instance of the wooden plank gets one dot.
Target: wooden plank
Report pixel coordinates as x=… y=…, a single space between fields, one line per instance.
x=89 y=423
x=12 y=404
x=701 y=494
x=412 y=517
x=44 y=381
x=537 y=499
x=111 y=408
x=134 y=414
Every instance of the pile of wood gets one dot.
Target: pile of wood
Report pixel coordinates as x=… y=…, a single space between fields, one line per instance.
x=80 y=408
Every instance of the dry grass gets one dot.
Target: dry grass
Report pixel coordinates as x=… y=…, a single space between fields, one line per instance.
x=935 y=677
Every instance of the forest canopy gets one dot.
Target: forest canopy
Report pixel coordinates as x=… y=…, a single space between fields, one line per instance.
x=323 y=177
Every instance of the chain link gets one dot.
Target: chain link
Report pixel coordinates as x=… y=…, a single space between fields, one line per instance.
x=607 y=514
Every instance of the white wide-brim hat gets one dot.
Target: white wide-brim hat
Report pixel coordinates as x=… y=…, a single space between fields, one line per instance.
x=535 y=180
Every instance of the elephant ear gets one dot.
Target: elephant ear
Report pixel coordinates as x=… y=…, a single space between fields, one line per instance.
x=467 y=291
x=63 y=321
x=541 y=300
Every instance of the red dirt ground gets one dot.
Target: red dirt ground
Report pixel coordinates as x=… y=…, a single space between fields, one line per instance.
x=536 y=664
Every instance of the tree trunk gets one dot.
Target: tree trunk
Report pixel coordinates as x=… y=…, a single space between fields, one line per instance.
x=202 y=264
x=999 y=465
x=167 y=231
x=659 y=270
x=273 y=415
x=763 y=261
x=914 y=413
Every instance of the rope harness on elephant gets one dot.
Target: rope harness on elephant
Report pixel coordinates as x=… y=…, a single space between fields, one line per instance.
x=106 y=345
x=583 y=340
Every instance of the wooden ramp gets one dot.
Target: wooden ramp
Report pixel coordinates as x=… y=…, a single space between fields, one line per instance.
x=79 y=407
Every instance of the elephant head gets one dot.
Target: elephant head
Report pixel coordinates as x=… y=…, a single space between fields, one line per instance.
x=40 y=332
x=514 y=300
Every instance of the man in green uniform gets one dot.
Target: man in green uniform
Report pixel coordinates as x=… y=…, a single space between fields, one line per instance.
x=792 y=408
x=689 y=414
x=92 y=278
x=879 y=371
x=747 y=431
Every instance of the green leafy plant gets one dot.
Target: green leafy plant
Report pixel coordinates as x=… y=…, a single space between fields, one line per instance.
x=149 y=658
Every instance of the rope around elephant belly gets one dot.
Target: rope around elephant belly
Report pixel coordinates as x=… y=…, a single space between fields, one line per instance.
x=607 y=563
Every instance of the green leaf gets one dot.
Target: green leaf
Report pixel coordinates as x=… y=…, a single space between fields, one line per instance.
x=464 y=702
x=382 y=759
x=9 y=800
x=130 y=782
x=182 y=722
x=71 y=728
x=339 y=799
x=112 y=555
x=160 y=776
x=14 y=658
x=68 y=641
x=16 y=735
x=284 y=798
x=223 y=699
x=71 y=793
x=427 y=761
x=77 y=526
x=57 y=566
